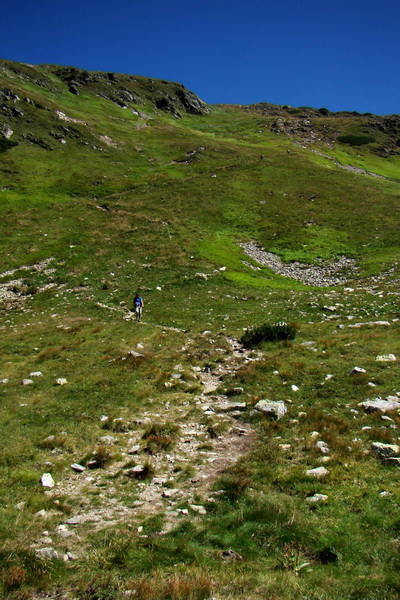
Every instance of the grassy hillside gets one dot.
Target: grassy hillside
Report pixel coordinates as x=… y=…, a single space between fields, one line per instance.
x=112 y=184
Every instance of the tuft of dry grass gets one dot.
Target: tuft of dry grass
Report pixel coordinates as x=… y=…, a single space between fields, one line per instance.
x=13 y=577
x=192 y=585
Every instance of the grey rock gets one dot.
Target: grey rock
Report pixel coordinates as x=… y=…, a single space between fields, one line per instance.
x=36 y=374
x=271 y=408
x=323 y=447
x=385 y=450
x=77 y=467
x=108 y=440
x=159 y=480
x=357 y=370
x=386 y=358
x=197 y=508
x=47 y=481
x=233 y=406
x=135 y=354
x=229 y=555
x=48 y=552
x=134 y=450
x=380 y=405
x=77 y=520
x=7 y=132
x=135 y=472
x=317 y=472
x=317 y=498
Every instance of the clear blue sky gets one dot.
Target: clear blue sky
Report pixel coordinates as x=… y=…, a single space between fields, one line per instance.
x=342 y=54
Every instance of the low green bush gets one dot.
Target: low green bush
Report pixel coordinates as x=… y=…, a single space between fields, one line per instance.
x=356 y=140
x=267 y=333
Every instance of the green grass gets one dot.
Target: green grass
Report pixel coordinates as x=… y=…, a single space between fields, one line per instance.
x=150 y=214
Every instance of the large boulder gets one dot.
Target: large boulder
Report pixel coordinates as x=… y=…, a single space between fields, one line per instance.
x=275 y=409
x=385 y=450
x=380 y=405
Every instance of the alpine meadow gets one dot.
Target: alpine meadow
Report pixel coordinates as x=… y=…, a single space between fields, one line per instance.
x=242 y=441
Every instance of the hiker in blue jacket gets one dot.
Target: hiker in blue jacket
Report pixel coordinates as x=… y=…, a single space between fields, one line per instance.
x=138 y=305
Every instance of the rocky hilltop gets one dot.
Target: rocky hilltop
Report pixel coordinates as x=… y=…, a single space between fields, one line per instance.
x=21 y=109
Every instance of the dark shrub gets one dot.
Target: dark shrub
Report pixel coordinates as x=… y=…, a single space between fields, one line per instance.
x=356 y=140
x=267 y=333
x=6 y=144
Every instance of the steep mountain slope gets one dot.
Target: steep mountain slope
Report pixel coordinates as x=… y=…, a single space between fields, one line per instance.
x=223 y=217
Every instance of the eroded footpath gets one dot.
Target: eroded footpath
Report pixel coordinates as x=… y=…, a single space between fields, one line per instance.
x=173 y=479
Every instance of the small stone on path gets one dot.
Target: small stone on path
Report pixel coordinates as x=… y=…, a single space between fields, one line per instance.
x=47 y=481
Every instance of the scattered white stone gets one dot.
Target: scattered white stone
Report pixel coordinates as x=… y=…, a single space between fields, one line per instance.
x=36 y=374
x=61 y=381
x=135 y=471
x=41 y=513
x=285 y=446
x=383 y=494
x=47 y=553
x=317 y=498
x=46 y=480
x=134 y=450
x=159 y=480
x=26 y=382
x=135 y=354
x=370 y=323
x=356 y=370
x=198 y=509
x=317 y=472
x=386 y=358
x=295 y=388
x=322 y=446
x=108 y=440
x=314 y=434
x=169 y=493
x=3 y=380
x=77 y=467
x=77 y=520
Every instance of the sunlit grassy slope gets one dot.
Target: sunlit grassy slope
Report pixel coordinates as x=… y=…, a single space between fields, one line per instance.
x=123 y=195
